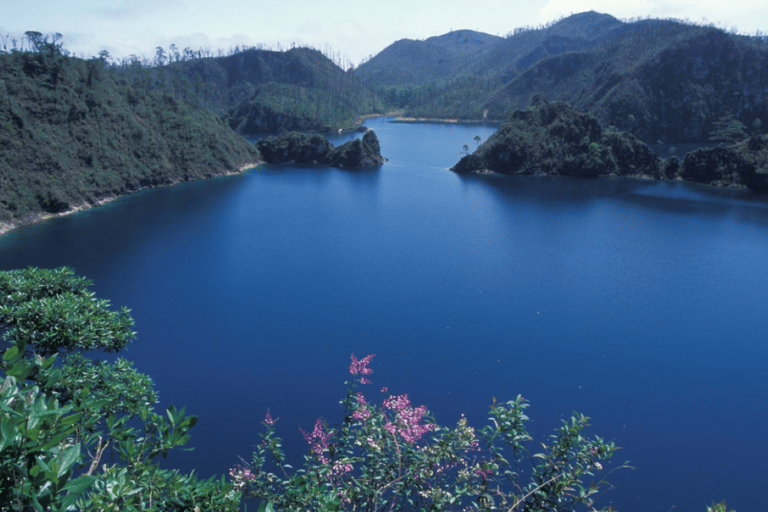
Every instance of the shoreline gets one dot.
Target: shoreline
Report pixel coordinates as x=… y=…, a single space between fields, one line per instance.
x=430 y=120
x=37 y=217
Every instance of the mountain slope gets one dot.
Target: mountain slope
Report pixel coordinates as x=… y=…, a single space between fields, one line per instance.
x=74 y=133
x=658 y=79
x=265 y=91
x=438 y=58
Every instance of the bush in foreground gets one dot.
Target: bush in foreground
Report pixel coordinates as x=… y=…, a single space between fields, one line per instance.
x=393 y=456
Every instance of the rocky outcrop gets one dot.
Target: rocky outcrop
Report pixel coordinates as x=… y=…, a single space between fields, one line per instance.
x=314 y=149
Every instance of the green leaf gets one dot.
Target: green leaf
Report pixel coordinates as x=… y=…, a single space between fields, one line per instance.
x=11 y=353
x=67 y=459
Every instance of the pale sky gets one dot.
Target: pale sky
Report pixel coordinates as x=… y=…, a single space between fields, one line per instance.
x=355 y=29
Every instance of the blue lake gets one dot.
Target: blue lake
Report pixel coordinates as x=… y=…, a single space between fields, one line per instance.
x=639 y=304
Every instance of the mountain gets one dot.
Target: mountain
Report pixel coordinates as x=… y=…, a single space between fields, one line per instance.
x=266 y=91
x=438 y=58
x=74 y=133
x=658 y=79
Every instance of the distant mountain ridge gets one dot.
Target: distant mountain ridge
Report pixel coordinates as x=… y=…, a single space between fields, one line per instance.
x=658 y=79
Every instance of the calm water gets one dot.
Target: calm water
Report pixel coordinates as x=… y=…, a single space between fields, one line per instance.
x=639 y=304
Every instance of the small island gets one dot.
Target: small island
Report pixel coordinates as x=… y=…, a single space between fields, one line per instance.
x=314 y=149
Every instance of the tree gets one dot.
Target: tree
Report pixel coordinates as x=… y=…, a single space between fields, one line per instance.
x=59 y=415
x=728 y=129
x=35 y=39
x=159 y=56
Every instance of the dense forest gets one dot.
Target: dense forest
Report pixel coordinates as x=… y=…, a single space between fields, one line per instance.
x=664 y=80
x=74 y=133
x=261 y=90
x=551 y=138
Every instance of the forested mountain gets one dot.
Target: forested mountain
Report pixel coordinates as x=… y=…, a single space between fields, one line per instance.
x=659 y=79
x=421 y=62
x=74 y=133
x=266 y=91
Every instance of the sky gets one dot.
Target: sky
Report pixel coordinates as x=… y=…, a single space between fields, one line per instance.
x=354 y=30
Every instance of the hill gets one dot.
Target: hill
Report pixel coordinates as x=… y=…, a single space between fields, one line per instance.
x=267 y=91
x=74 y=133
x=551 y=138
x=438 y=58
x=658 y=79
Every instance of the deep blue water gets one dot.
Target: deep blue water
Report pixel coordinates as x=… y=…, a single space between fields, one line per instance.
x=639 y=304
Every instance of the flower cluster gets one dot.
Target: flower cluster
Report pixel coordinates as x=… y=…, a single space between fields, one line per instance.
x=361 y=367
x=407 y=420
x=362 y=412
x=240 y=476
x=382 y=453
x=268 y=420
x=319 y=440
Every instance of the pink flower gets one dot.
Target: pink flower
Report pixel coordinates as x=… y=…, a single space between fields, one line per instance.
x=319 y=440
x=361 y=367
x=268 y=420
x=362 y=412
x=407 y=420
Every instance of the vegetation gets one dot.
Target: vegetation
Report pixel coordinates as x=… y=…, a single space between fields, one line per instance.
x=552 y=138
x=74 y=133
x=665 y=80
x=395 y=457
x=303 y=148
x=78 y=433
x=263 y=91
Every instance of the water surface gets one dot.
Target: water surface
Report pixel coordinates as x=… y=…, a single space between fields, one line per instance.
x=640 y=304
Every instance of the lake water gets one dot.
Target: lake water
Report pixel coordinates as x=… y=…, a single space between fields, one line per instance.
x=639 y=304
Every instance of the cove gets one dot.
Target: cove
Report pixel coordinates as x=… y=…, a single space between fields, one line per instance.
x=640 y=304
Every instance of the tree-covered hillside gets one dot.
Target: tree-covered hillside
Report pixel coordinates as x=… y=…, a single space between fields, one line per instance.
x=551 y=138
x=438 y=58
x=75 y=133
x=658 y=79
x=266 y=91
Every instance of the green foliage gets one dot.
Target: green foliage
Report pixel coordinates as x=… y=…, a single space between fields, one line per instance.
x=55 y=432
x=719 y=507
x=728 y=129
x=75 y=133
x=52 y=310
x=552 y=138
x=106 y=388
x=306 y=148
x=659 y=79
x=261 y=91
x=394 y=457
x=275 y=107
